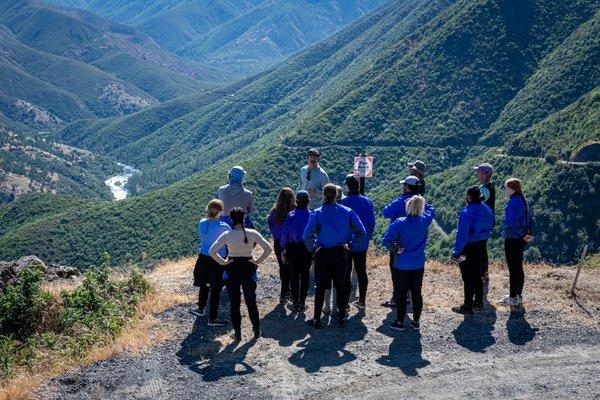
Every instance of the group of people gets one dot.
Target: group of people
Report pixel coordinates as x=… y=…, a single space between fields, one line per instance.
x=320 y=225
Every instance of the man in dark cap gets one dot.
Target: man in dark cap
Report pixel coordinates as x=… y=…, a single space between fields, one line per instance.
x=313 y=179
x=484 y=172
x=417 y=169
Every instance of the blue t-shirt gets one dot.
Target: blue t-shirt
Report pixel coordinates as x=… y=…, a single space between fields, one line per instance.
x=209 y=231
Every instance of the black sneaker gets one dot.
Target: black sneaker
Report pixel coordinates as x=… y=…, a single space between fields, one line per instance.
x=462 y=310
x=200 y=312
x=315 y=323
x=397 y=325
x=216 y=323
x=415 y=324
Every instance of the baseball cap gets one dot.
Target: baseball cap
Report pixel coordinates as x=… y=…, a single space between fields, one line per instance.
x=313 y=152
x=485 y=168
x=411 y=180
x=418 y=165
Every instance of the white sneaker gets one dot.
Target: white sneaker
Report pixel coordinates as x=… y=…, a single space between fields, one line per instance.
x=519 y=300
x=508 y=301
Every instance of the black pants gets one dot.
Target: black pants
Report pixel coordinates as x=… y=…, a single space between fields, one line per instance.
x=284 y=269
x=359 y=261
x=208 y=276
x=405 y=281
x=486 y=262
x=392 y=259
x=299 y=260
x=470 y=270
x=513 y=249
x=330 y=263
x=240 y=277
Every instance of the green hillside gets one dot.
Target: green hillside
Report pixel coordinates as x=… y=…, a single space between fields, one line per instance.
x=426 y=79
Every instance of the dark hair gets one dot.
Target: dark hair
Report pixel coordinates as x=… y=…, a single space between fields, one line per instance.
x=283 y=205
x=330 y=193
x=413 y=188
x=237 y=215
x=302 y=202
x=474 y=194
x=352 y=183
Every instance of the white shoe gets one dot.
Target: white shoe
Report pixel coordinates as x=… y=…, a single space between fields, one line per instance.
x=519 y=300
x=508 y=301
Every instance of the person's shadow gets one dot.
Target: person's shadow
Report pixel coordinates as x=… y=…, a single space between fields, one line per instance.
x=327 y=346
x=518 y=328
x=283 y=327
x=475 y=332
x=405 y=352
x=200 y=353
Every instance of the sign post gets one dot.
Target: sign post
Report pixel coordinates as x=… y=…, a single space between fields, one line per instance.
x=363 y=168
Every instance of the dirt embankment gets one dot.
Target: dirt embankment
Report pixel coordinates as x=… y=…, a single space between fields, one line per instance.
x=551 y=348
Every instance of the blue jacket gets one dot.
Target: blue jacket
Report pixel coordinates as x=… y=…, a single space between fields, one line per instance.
x=410 y=235
x=518 y=220
x=209 y=231
x=475 y=223
x=294 y=226
x=363 y=207
x=397 y=208
x=333 y=225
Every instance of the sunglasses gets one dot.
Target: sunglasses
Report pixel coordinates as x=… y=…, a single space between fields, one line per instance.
x=308 y=174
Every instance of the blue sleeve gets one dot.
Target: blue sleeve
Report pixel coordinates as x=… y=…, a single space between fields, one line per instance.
x=429 y=213
x=391 y=210
x=462 y=236
x=357 y=228
x=309 y=232
x=391 y=239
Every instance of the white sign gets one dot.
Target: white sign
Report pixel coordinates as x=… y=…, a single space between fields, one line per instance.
x=363 y=167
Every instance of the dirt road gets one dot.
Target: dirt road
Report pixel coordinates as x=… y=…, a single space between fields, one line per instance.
x=537 y=352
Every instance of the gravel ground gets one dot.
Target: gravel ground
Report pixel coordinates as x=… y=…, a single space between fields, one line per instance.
x=500 y=353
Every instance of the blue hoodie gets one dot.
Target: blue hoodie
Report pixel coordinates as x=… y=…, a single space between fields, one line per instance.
x=209 y=231
x=333 y=225
x=518 y=220
x=397 y=208
x=363 y=207
x=294 y=226
x=475 y=223
x=410 y=234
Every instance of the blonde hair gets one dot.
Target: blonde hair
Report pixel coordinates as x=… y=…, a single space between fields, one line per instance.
x=415 y=206
x=515 y=184
x=213 y=208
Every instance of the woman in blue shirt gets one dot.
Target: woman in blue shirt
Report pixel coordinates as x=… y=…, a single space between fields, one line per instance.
x=406 y=238
x=363 y=207
x=518 y=231
x=283 y=205
x=330 y=229
x=208 y=274
x=295 y=252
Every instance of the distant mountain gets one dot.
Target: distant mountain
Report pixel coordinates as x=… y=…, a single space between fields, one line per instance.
x=453 y=83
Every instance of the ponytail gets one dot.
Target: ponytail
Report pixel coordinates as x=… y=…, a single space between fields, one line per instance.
x=330 y=193
x=237 y=215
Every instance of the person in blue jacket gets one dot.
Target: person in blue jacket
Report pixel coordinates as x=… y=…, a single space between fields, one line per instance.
x=406 y=238
x=475 y=223
x=330 y=229
x=518 y=231
x=295 y=252
x=411 y=186
x=363 y=207
x=208 y=274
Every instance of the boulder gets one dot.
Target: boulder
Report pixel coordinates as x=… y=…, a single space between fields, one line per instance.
x=28 y=262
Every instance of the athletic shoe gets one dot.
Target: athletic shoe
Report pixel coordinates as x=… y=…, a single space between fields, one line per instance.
x=519 y=300
x=415 y=324
x=216 y=323
x=360 y=304
x=478 y=307
x=315 y=323
x=257 y=333
x=399 y=326
x=462 y=310
x=200 y=312
x=508 y=301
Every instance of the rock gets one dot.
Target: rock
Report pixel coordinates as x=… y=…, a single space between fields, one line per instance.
x=28 y=262
x=10 y=271
x=63 y=272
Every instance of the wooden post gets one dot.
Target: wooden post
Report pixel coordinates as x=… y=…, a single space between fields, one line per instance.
x=362 y=183
x=579 y=266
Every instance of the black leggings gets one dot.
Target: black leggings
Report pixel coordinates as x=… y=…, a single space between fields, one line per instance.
x=405 y=281
x=284 y=269
x=240 y=277
x=486 y=262
x=470 y=270
x=208 y=275
x=299 y=260
x=330 y=264
x=513 y=249
x=359 y=260
x=392 y=260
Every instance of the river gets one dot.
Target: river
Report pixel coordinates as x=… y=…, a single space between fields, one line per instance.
x=118 y=183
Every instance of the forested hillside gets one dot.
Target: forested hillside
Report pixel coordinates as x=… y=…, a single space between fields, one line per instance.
x=453 y=83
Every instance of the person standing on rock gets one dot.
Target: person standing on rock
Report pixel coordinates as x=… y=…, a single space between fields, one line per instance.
x=417 y=169
x=518 y=231
x=240 y=269
x=484 y=172
x=283 y=205
x=396 y=209
x=406 y=238
x=357 y=257
x=330 y=229
x=208 y=274
x=234 y=194
x=313 y=179
x=295 y=252
x=475 y=225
